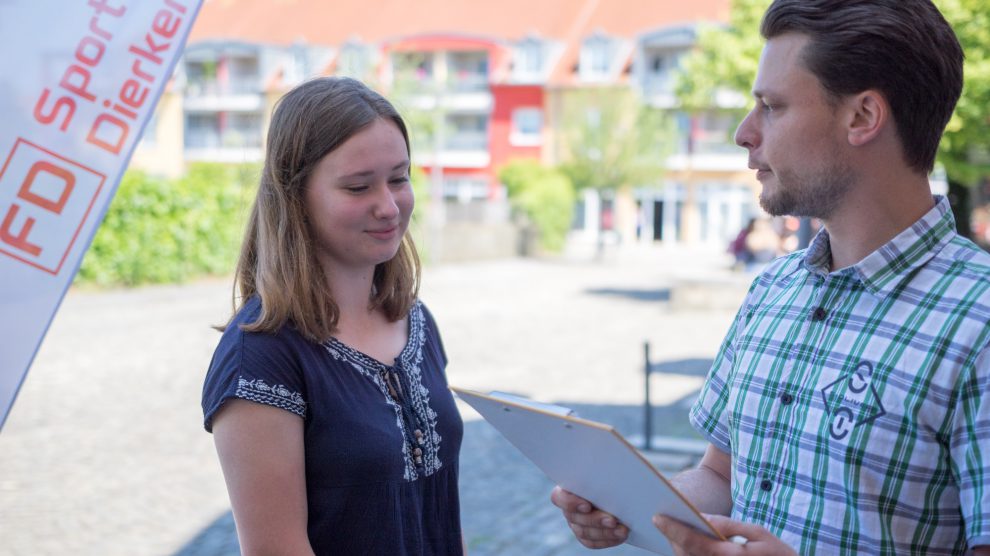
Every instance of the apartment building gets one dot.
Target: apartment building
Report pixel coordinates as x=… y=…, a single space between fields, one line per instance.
x=482 y=83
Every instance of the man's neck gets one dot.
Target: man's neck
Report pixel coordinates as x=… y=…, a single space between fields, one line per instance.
x=871 y=217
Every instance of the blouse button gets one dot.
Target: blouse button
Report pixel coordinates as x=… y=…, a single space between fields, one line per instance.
x=786 y=398
x=818 y=314
x=766 y=485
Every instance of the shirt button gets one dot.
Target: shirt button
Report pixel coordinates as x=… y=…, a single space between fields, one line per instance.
x=786 y=398
x=766 y=485
x=818 y=314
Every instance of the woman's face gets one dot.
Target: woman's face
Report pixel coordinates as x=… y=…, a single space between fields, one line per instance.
x=358 y=199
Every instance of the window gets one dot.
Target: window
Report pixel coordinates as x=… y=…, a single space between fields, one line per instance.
x=202 y=131
x=527 y=127
x=468 y=71
x=528 y=60
x=596 y=58
x=465 y=188
x=467 y=132
x=201 y=78
x=149 y=138
x=413 y=66
x=353 y=60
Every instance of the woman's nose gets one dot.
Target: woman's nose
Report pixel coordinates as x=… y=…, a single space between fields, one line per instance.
x=385 y=205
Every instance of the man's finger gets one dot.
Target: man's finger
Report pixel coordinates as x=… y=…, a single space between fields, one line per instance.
x=686 y=537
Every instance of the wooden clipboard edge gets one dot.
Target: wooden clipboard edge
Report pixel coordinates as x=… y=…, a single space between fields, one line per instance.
x=595 y=424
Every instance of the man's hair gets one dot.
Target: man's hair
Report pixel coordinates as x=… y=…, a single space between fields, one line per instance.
x=903 y=48
x=278 y=259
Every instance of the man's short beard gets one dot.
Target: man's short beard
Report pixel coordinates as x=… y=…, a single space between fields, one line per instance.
x=814 y=196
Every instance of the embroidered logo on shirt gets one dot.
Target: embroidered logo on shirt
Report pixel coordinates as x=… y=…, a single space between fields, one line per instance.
x=852 y=401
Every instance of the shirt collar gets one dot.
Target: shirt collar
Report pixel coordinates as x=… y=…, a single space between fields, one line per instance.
x=884 y=269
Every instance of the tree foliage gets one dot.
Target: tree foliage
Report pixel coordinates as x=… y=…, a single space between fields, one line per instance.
x=158 y=230
x=727 y=58
x=612 y=140
x=725 y=61
x=965 y=147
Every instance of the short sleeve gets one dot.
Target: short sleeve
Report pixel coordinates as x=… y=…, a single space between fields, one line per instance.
x=708 y=413
x=970 y=438
x=258 y=367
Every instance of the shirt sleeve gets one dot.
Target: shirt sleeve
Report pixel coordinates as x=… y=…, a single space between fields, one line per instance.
x=258 y=367
x=708 y=414
x=970 y=438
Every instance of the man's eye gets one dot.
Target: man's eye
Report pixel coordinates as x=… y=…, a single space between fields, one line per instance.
x=766 y=107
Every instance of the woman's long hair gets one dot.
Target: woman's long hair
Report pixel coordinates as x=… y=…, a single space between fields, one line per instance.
x=278 y=260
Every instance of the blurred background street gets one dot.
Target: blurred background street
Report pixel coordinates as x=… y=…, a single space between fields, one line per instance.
x=104 y=451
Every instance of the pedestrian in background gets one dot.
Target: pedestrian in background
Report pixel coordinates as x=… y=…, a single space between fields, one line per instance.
x=326 y=395
x=848 y=410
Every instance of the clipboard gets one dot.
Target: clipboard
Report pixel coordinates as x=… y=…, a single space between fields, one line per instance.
x=591 y=460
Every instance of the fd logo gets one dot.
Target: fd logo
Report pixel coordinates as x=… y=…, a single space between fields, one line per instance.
x=44 y=201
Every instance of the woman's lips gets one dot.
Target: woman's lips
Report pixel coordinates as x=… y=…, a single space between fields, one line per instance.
x=387 y=233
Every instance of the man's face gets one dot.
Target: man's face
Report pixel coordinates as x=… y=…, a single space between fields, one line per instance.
x=794 y=136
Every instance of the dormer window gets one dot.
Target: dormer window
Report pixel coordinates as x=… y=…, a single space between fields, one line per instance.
x=529 y=59
x=597 y=55
x=353 y=60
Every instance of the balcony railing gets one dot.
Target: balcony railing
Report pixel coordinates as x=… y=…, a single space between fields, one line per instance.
x=466 y=142
x=198 y=88
x=464 y=82
x=232 y=139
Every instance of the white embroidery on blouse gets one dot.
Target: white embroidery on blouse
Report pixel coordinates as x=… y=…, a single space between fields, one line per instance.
x=411 y=362
x=257 y=390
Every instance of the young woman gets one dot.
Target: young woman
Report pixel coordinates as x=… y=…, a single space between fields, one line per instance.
x=327 y=396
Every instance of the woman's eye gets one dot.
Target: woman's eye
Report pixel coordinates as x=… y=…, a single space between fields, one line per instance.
x=356 y=188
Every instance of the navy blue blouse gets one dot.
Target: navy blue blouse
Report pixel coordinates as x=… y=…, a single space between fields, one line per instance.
x=369 y=491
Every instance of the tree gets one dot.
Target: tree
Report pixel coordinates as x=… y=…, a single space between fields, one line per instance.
x=720 y=72
x=727 y=57
x=611 y=140
x=965 y=147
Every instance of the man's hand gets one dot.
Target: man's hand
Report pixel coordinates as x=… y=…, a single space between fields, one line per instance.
x=592 y=527
x=688 y=541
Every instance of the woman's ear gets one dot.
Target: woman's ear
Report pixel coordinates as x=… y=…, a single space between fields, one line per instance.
x=869 y=113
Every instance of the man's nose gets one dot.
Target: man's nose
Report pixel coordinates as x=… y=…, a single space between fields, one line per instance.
x=746 y=134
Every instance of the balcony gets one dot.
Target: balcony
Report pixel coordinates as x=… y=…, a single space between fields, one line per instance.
x=232 y=145
x=461 y=150
x=210 y=95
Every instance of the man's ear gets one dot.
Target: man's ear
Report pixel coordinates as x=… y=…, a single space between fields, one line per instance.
x=868 y=116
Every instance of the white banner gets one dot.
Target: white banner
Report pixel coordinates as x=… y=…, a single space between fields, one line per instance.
x=78 y=81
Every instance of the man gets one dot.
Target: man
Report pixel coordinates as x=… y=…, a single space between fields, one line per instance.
x=848 y=408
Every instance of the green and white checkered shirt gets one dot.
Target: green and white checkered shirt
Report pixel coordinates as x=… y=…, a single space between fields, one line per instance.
x=856 y=403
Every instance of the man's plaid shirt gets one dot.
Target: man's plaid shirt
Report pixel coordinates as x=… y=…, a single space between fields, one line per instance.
x=856 y=404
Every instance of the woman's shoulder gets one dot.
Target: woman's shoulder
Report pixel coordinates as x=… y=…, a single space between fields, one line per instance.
x=419 y=310
x=284 y=340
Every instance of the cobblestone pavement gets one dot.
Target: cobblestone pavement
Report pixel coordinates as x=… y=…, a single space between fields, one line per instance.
x=104 y=451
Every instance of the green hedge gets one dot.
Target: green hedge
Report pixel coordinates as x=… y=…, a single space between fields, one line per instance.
x=158 y=230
